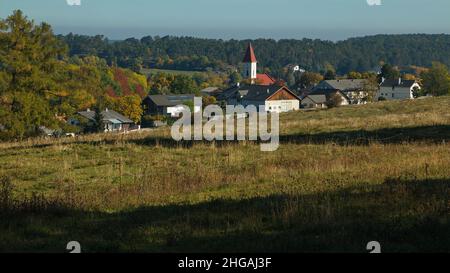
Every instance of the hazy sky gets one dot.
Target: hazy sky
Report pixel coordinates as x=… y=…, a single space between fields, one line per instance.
x=326 y=19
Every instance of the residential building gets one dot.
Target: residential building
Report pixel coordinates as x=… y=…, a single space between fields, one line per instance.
x=274 y=98
x=321 y=98
x=353 y=89
x=112 y=120
x=167 y=105
x=397 y=89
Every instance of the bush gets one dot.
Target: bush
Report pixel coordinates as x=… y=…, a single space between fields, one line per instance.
x=5 y=193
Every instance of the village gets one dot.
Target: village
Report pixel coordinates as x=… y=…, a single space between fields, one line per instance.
x=256 y=89
x=182 y=141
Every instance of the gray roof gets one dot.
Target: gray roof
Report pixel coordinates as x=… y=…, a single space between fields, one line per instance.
x=397 y=83
x=170 y=100
x=107 y=115
x=328 y=93
x=343 y=85
x=317 y=98
x=253 y=92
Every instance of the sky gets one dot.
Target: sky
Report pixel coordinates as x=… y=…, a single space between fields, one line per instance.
x=238 y=19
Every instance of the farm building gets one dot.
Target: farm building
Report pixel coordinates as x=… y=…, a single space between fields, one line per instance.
x=353 y=89
x=166 y=105
x=397 y=89
x=321 y=98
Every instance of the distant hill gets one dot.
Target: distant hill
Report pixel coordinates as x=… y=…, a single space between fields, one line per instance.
x=187 y=53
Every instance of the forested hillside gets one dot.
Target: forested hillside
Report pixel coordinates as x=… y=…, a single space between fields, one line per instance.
x=40 y=85
x=186 y=53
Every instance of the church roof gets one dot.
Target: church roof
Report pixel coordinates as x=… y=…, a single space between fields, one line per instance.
x=265 y=79
x=250 y=56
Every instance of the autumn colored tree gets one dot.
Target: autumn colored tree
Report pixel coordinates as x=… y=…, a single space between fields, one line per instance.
x=309 y=79
x=22 y=114
x=130 y=106
x=29 y=54
x=208 y=100
x=354 y=75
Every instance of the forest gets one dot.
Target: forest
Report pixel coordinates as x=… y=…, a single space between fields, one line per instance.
x=187 y=53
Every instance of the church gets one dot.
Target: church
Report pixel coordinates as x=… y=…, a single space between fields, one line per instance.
x=251 y=67
x=259 y=89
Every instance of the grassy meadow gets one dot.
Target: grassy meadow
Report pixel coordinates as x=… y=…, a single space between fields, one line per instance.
x=341 y=178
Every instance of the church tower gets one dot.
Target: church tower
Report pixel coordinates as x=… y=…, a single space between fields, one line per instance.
x=250 y=64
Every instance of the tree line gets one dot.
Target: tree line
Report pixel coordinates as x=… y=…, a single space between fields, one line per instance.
x=188 y=53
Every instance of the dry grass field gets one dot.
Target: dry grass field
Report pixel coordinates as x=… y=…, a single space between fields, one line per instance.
x=341 y=178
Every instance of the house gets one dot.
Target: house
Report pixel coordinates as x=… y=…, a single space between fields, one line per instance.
x=321 y=98
x=353 y=89
x=294 y=68
x=314 y=101
x=250 y=69
x=112 y=120
x=397 y=89
x=274 y=98
x=167 y=105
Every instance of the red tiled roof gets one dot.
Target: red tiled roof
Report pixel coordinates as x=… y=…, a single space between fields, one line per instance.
x=265 y=79
x=250 y=55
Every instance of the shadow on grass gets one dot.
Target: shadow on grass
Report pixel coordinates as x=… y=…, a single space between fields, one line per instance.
x=423 y=134
x=426 y=134
x=403 y=215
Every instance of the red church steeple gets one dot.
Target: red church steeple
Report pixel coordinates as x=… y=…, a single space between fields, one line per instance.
x=250 y=55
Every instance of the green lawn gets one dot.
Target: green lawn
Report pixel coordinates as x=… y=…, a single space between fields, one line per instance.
x=341 y=178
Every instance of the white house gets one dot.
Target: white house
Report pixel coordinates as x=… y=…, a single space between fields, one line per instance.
x=397 y=89
x=294 y=68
